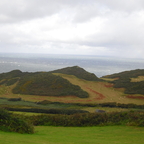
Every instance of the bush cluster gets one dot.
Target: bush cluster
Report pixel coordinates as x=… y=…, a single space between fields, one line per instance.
x=91 y=119
x=24 y=124
x=14 y=99
x=48 y=111
x=9 y=122
x=107 y=104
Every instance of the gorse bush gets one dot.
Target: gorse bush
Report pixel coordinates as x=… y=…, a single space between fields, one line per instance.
x=90 y=119
x=48 y=111
x=14 y=99
x=106 y=104
x=21 y=123
x=10 y=122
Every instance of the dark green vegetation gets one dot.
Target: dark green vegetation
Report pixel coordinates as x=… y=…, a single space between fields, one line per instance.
x=90 y=119
x=47 y=84
x=41 y=83
x=78 y=72
x=10 y=122
x=19 y=123
x=108 y=104
x=124 y=81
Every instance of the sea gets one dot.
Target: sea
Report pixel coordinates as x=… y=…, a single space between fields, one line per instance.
x=99 y=65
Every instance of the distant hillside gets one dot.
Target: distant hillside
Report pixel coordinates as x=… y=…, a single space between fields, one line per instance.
x=11 y=77
x=40 y=83
x=49 y=84
x=78 y=72
x=126 y=80
x=127 y=74
x=11 y=74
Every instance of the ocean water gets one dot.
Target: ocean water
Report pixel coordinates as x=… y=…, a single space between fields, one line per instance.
x=98 y=65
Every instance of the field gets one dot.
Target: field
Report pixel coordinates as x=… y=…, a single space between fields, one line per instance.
x=77 y=135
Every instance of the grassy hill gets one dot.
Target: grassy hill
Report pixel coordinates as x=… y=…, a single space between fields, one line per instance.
x=55 y=86
x=47 y=84
x=132 y=81
x=40 y=83
x=78 y=72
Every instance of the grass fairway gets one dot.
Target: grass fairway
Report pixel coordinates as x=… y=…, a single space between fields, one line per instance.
x=77 y=135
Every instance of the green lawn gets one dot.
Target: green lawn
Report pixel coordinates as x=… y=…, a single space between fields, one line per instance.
x=77 y=135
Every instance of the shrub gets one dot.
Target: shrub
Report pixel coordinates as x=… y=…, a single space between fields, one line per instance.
x=14 y=99
x=90 y=119
x=48 y=111
x=10 y=122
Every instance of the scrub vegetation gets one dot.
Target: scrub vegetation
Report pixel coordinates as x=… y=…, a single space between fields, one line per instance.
x=132 y=81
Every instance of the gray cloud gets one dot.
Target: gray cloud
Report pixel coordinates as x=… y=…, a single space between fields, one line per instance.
x=100 y=27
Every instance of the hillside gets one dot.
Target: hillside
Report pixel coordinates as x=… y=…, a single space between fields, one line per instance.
x=40 y=83
x=47 y=84
x=132 y=81
x=126 y=87
x=78 y=72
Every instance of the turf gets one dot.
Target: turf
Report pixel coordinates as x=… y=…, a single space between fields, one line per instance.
x=77 y=135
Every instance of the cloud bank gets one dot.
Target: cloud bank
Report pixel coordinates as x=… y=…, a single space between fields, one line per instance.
x=89 y=27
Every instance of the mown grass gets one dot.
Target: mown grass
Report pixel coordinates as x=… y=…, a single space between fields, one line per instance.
x=77 y=135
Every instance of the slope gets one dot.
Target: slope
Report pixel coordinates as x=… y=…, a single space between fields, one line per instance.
x=78 y=72
x=41 y=83
x=132 y=81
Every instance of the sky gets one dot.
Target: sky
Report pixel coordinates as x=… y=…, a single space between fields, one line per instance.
x=80 y=27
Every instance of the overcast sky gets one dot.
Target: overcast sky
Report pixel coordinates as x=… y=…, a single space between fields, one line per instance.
x=87 y=27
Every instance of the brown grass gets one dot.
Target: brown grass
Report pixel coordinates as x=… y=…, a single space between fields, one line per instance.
x=109 y=79
x=138 y=79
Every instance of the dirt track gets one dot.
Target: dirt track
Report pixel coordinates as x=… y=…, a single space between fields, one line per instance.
x=101 y=96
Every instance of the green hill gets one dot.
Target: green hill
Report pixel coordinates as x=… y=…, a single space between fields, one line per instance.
x=127 y=74
x=47 y=84
x=40 y=83
x=125 y=80
x=78 y=72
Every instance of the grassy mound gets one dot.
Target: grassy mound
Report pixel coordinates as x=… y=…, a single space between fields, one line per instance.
x=9 y=122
